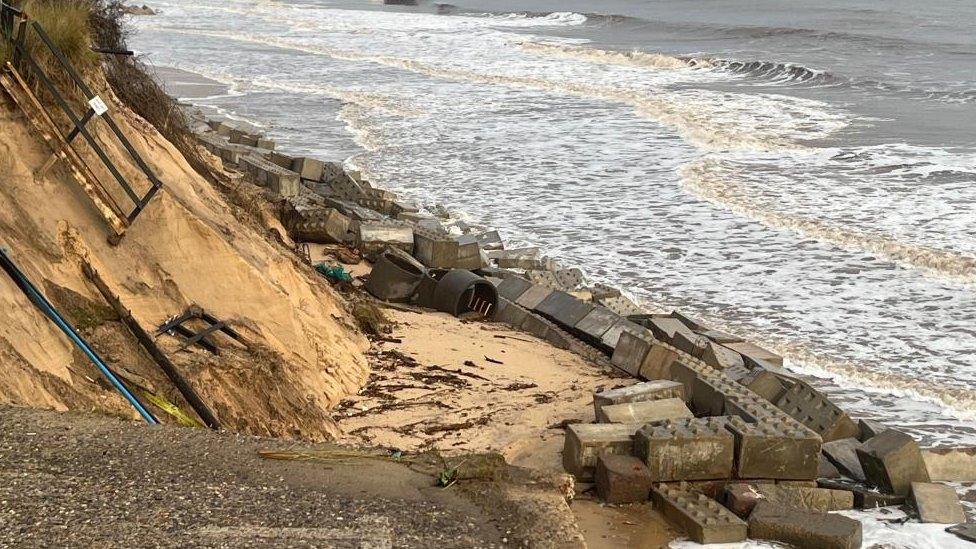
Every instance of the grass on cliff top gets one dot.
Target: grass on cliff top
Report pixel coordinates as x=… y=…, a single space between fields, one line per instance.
x=67 y=23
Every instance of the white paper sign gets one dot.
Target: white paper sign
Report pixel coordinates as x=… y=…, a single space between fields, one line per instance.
x=98 y=106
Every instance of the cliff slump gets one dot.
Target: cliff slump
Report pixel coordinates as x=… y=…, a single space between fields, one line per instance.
x=190 y=246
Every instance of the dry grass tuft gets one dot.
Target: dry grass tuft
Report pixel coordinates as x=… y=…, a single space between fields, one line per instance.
x=67 y=23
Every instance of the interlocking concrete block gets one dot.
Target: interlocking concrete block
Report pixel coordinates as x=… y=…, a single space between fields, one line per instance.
x=712 y=392
x=570 y=279
x=620 y=304
x=533 y=296
x=321 y=225
x=612 y=336
x=469 y=254
x=802 y=528
x=518 y=258
x=774 y=449
x=280 y=159
x=892 y=461
x=644 y=412
x=665 y=328
x=937 y=503
x=870 y=428
x=842 y=454
x=510 y=313
x=701 y=517
x=764 y=383
x=751 y=407
x=596 y=324
x=373 y=237
x=564 y=309
x=719 y=356
x=685 y=374
x=586 y=441
x=811 y=408
x=692 y=344
x=639 y=392
x=630 y=352
x=754 y=355
x=280 y=181
x=436 y=250
x=657 y=363
x=742 y=498
x=558 y=338
x=951 y=464
x=622 y=479
x=513 y=287
x=309 y=168
x=686 y=449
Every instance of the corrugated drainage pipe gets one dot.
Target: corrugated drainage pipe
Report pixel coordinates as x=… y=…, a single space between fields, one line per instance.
x=461 y=291
x=395 y=277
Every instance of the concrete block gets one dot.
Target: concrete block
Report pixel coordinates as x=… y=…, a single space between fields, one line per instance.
x=657 y=363
x=585 y=442
x=522 y=258
x=892 y=461
x=468 y=253
x=742 y=498
x=951 y=464
x=964 y=531
x=280 y=159
x=802 y=528
x=719 y=356
x=436 y=250
x=764 y=383
x=691 y=322
x=280 y=181
x=811 y=408
x=373 y=237
x=665 y=328
x=864 y=497
x=843 y=455
x=685 y=374
x=712 y=391
x=512 y=288
x=937 y=503
x=620 y=304
x=691 y=344
x=322 y=225
x=558 y=338
x=644 y=412
x=622 y=479
x=612 y=336
x=754 y=355
x=686 y=449
x=869 y=429
x=630 y=352
x=751 y=407
x=490 y=240
x=721 y=337
x=596 y=323
x=266 y=144
x=535 y=325
x=563 y=308
x=510 y=313
x=774 y=449
x=343 y=184
x=569 y=279
x=533 y=296
x=701 y=517
x=826 y=469
x=639 y=392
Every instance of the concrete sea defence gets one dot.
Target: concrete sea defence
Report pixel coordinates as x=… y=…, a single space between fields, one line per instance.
x=714 y=432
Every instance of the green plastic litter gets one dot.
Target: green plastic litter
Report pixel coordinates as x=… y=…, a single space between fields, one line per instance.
x=333 y=272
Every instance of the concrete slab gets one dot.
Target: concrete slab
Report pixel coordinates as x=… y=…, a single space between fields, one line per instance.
x=780 y=449
x=691 y=322
x=719 y=356
x=892 y=461
x=743 y=498
x=690 y=343
x=802 y=528
x=754 y=355
x=870 y=429
x=564 y=309
x=512 y=288
x=595 y=324
x=612 y=336
x=665 y=328
x=686 y=449
x=843 y=455
x=864 y=497
x=535 y=325
x=533 y=296
x=639 y=392
x=586 y=441
x=622 y=479
x=764 y=383
x=620 y=304
x=721 y=337
x=644 y=412
x=510 y=313
x=657 y=363
x=937 y=503
x=813 y=409
x=964 y=531
x=701 y=517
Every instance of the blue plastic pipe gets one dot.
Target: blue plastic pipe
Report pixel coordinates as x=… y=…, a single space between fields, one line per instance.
x=45 y=306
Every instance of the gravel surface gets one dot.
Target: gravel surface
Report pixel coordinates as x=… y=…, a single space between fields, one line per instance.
x=76 y=480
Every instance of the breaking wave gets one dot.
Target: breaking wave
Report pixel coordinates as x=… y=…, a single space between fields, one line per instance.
x=708 y=180
x=629 y=58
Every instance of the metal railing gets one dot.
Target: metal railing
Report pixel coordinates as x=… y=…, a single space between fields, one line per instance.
x=19 y=31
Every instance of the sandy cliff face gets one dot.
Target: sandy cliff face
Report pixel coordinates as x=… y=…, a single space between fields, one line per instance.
x=187 y=247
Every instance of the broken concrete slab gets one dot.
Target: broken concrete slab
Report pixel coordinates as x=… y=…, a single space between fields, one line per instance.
x=892 y=461
x=622 y=479
x=719 y=356
x=639 y=392
x=309 y=168
x=803 y=528
x=686 y=449
x=951 y=464
x=842 y=454
x=754 y=355
x=937 y=503
x=630 y=352
x=644 y=412
x=780 y=449
x=816 y=411
x=701 y=517
x=586 y=441
x=533 y=296
x=563 y=308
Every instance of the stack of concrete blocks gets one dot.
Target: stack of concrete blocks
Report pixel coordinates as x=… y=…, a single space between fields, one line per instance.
x=240 y=136
x=439 y=250
x=281 y=182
